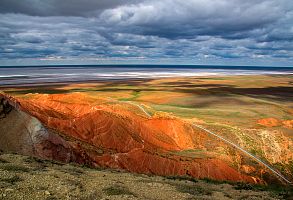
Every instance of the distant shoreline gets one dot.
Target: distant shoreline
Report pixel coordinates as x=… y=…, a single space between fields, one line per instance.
x=64 y=83
x=118 y=81
x=273 y=68
x=36 y=76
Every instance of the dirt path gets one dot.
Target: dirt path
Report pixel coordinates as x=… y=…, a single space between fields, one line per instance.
x=275 y=172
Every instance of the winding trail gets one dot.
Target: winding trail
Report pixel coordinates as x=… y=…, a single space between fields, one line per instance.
x=139 y=106
x=276 y=173
x=279 y=175
x=134 y=104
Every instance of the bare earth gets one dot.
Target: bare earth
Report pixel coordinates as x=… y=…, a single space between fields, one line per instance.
x=23 y=177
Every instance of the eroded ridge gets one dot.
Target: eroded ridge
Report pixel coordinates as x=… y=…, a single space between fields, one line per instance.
x=78 y=128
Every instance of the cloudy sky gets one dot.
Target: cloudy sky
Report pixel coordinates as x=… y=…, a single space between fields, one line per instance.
x=224 y=32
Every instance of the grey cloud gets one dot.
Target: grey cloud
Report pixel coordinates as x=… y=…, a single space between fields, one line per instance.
x=178 y=19
x=190 y=29
x=58 y=7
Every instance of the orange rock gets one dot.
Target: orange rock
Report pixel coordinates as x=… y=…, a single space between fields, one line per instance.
x=248 y=169
x=288 y=123
x=113 y=135
x=269 y=122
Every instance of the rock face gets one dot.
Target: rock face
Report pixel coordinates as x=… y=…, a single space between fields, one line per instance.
x=101 y=132
x=23 y=133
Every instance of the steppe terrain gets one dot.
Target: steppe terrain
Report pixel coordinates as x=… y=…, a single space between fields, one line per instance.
x=150 y=127
x=23 y=177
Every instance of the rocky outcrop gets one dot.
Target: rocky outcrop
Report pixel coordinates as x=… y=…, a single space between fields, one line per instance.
x=22 y=133
x=288 y=123
x=272 y=122
x=269 y=122
x=99 y=133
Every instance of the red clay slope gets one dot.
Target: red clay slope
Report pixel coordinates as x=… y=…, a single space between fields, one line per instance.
x=117 y=135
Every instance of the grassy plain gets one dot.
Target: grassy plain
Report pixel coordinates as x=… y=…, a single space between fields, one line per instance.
x=231 y=100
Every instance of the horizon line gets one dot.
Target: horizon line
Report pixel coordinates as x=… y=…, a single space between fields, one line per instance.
x=140 y=65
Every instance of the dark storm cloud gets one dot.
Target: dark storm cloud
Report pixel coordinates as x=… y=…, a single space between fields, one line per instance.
x=186 y=19
x=149 y=29
x=58 y=7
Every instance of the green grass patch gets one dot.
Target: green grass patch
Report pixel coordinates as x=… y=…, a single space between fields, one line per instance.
x=117 y=190
x=51 y=198
x=3 y=160
x=40 y=91
x=135 y=94
x=29 y=160
x=217 y=182
x=14 y=168
x=192 y=153
x=278 y=190
x=182 y=178
x=72 y=170
x=11 y=180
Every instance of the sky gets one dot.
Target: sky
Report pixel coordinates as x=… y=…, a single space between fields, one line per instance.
x=204 y=32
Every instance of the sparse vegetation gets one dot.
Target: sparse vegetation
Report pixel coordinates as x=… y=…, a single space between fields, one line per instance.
x=72 y=170
x=277 y=190
x=75 y=183
x=11 y=180
x=51 y=198
x=182 y=178
x=57 y=182
x=213 y=181
x=3 y=160
x=117 y=190
x=15 y=168
x=192 y=189
x=34 y=159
